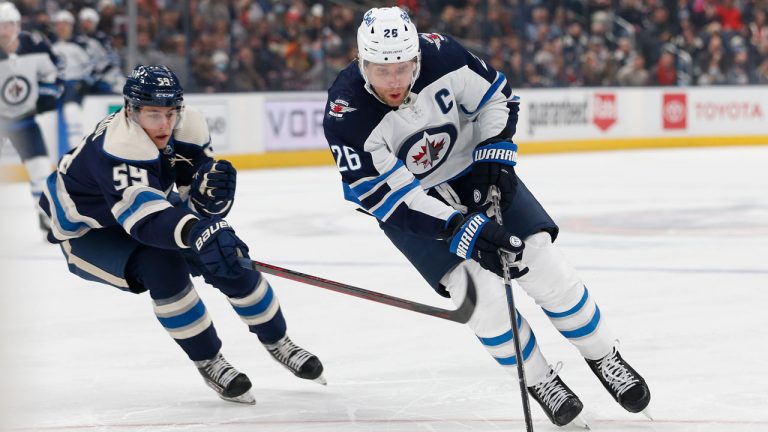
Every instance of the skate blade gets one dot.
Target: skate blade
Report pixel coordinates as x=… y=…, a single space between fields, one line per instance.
x=647 y=413
x=580 y=422
x=320 y=380
x=245 y=399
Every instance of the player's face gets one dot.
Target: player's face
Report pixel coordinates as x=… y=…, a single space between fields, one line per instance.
x=391 y=80
x=158 y=123
x=8 y=33
x=88 y=26
x=63 y=30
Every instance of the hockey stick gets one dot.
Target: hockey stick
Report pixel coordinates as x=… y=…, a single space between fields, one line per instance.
x=460 y=315
x=495 y=197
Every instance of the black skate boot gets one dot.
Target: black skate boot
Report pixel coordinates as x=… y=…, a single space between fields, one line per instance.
x=626 y=386
x=560 y=404
x=230 y=384
x=299 y=361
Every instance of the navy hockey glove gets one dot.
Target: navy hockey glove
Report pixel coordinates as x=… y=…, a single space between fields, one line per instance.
x=493 y=165
x=480 y=238
x=218 y=247
x=213 y=188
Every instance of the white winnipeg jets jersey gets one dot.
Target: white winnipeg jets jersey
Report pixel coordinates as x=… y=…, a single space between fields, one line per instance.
x=24 y=75
x=388 y=157
x=76 y=63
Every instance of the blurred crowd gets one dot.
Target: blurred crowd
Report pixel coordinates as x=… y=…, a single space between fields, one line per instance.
x=261 y=45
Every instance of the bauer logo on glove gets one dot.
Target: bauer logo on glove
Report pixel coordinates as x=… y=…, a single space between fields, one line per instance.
x=209 y=231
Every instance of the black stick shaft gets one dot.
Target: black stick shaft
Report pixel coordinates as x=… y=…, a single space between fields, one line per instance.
x=459 y=315
x=513 y=319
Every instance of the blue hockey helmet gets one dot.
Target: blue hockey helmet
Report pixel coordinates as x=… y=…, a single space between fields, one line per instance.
x=153 y=86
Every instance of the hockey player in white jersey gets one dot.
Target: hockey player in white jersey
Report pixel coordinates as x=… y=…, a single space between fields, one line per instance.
x=138 y=205
x=106 y=77
x=421 y=129
x=77 y=70
x=28 y=78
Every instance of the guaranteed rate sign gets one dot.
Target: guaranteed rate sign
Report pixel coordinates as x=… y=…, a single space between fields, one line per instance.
x=294 y=124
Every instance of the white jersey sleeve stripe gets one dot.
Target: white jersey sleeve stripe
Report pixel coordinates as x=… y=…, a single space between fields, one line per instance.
x=364 y=187
x=392 y=200
x=138 y=202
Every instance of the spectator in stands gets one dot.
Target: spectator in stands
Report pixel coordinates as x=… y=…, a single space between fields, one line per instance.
x=758 y=33
x=730 y=15
x=633 y=73
x=711 y=63
x=666 y=71
x=534 y=43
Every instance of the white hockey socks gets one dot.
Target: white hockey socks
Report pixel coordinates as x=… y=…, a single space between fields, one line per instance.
x=490 y=321
x=554 y=285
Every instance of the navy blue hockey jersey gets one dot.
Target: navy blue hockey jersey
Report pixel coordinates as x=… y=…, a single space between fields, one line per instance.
x=389 y=157
x=117 y=176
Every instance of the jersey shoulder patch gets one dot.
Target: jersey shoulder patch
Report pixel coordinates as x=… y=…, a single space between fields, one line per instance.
x=351 y=113
x=193 y=128
x=440 y=55
x=125 y=140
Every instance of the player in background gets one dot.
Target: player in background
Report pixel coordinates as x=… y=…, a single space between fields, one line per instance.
x=421 y=129
x=28 y=79
x=76 y=73
x=118 y=220
x=106 y=77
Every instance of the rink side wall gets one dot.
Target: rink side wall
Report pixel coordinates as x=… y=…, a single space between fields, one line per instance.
x=271 y=130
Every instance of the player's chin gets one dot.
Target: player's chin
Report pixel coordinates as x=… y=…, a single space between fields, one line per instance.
x=395 y=99
x=161 y=140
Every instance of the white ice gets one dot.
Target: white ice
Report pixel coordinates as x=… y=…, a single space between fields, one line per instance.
x=673 y=244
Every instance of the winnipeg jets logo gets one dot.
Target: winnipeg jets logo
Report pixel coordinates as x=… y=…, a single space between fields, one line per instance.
x=426 y=150
x=15 y=90
x=368 y=19
x=430 y=151
x=434 y=39
x=339 y=107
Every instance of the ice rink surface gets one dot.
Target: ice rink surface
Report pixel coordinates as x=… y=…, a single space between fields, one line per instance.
x=673 y=244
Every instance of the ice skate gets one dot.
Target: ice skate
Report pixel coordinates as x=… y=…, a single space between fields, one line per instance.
x=560 y=404
x=230 y=384
x=299 y=361
x=626 y=386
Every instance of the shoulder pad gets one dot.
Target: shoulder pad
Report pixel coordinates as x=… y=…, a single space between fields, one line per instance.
x=32 y=43
x=193 y=128
x=125 y=140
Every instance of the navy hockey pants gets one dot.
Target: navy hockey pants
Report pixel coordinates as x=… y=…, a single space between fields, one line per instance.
x=112 y=257
x=25 y=136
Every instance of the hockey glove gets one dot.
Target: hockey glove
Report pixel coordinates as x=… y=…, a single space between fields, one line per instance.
x=218 y=247
x=213 y=188
x=480 y=239
x=493 y=165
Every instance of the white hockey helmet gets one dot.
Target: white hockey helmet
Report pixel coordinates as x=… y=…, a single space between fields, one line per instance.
x=9 y=13
x=88 y=14
x=63 y=16
x=387 y=35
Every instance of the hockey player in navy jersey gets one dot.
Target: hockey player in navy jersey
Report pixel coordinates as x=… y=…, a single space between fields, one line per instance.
x=28 y=78
x=421 y=130
x=119 y=221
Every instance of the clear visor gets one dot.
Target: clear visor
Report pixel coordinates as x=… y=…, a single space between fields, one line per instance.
x=149 y=117
x=390 y=75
